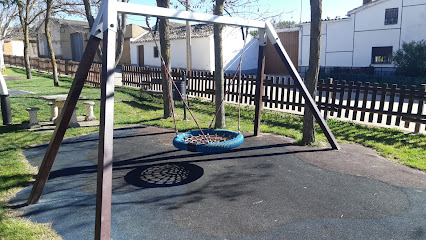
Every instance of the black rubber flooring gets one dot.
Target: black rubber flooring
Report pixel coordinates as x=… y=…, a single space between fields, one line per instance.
x=261 y=190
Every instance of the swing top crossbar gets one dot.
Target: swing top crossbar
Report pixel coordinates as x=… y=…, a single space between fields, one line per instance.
x=143 y=10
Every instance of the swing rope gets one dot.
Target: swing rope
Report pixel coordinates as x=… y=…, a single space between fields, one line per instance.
x=240 y=92
x=238 y=85
x=165 y=70
x=169 y=76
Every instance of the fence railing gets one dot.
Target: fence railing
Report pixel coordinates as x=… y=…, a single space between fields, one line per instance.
x=402 y=107
x=65 y=67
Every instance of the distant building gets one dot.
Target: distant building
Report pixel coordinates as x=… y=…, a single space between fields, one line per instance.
x=14 y=43
x=145 y=53
x=69 y=38
x=289 y=38
x=132 y=30
x=368 y=36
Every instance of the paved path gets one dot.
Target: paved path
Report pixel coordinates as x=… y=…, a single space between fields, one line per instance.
x=265 y=189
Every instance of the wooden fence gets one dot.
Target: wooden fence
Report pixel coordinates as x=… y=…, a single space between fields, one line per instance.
x=392 y=106
x=65 y=67
x=402 y=107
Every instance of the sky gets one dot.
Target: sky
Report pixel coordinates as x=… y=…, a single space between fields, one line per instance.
x=291 y=8
x=330 y=8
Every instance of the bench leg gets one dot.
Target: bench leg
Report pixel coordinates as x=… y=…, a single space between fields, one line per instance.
x=73 y=122
x=53 y=111
x=33 y=111
x=90 y=116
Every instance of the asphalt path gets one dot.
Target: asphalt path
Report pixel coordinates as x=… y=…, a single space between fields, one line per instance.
x=268 y=188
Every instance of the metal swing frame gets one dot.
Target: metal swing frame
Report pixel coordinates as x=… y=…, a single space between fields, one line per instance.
x=104 y=29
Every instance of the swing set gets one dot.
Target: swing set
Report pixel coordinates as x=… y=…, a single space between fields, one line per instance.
x=207 y=140
x=104 y=29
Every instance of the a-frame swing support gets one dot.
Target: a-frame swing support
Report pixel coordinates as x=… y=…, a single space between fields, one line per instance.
x=105 y=29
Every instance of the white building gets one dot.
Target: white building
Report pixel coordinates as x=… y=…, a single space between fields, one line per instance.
x=145 y=53
x=369 y=35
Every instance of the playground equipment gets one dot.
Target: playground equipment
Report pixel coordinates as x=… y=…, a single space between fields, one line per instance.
x=104 y=29
x=5 y=102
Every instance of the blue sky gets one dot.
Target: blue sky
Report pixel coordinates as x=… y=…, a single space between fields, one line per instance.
x=331 y=8
x=292 y=8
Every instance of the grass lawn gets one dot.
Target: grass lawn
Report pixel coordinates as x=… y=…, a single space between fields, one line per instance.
x=131 y=108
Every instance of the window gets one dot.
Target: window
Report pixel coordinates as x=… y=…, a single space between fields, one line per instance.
x=381 y=55
x=391 y=16
x=155 y=52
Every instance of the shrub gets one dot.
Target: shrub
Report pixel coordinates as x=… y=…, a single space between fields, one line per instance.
x=410 y=60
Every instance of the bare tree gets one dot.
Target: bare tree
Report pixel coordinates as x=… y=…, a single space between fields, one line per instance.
x=164 y=31
x=247 y=9
x=311 y=79
x=7 y=15
x=49 y=5
x=29 y=11
x=218 y=66
x=250 y=9
x=121 y=28
x=54 y=7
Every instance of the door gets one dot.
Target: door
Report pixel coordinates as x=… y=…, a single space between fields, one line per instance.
x=140 y=54
x=46 y=48
x=77 y=46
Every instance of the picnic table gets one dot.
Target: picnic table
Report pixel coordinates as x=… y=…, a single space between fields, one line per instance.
x=57 y=104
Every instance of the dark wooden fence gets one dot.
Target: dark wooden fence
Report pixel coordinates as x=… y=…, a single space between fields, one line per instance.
x=362 y=102
x=65 y=67
x=394 y=106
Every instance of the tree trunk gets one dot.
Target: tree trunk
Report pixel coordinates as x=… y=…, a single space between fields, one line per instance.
x=121 y=31
x=49 y=44
x=26 y=51
x=2 y=66
x=164 y=32
x=91 y=21
x=218 y=63
x=6 y=19
x=313 y=70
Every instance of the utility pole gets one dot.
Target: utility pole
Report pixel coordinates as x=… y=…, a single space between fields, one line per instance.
x=188 y=43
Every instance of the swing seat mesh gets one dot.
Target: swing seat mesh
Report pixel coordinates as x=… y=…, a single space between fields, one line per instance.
x=219 y=140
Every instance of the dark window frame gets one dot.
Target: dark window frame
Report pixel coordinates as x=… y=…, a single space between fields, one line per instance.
x=381 y=55
x=391 y=16
x=156 y=53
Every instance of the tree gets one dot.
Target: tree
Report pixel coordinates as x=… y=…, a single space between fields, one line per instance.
x=29 y=11
x=244 y=9
x=121 y=28
x=7 y=15
x=410 y=60
x=218 y=66
x=285 y=24
x=49 y=5
x=164 y=31
x=53 y=7
x=311 y=79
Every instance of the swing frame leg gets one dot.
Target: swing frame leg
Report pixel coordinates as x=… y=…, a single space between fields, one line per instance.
x=310 y=102
x=260 y=77
x=64 y=119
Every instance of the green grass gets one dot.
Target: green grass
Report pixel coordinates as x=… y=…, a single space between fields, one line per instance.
x=133 y=108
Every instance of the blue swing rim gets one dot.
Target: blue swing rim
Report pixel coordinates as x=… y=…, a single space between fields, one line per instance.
x=237 y=140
